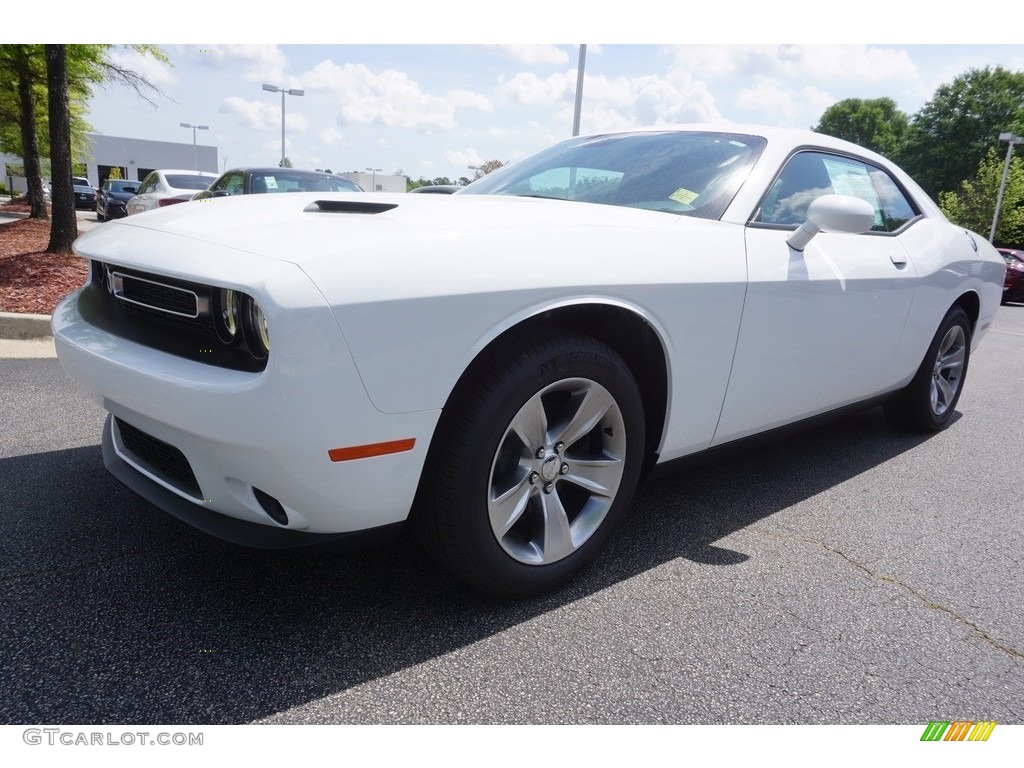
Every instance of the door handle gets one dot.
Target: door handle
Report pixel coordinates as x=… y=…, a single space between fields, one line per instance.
x=898 y=261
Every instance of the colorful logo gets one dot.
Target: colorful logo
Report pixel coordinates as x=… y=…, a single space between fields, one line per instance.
x=958 y=730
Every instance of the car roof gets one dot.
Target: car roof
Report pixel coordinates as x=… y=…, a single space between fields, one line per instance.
x=272 y=169
x=188 y=172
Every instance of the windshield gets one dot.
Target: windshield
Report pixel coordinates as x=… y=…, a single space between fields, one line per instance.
x=124 y=186
x=182 y=181
x=684 y=172
x=299 y=181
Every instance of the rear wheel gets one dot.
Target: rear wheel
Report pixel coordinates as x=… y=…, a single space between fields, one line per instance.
x=928 y=402
x=535 y=465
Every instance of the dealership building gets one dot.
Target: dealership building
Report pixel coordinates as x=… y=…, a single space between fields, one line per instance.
x=137 y=157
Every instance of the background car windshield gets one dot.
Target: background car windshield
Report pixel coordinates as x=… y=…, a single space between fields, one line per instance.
x=688 y=173
x=296 y=182
x=182 y=181
x=123 y=186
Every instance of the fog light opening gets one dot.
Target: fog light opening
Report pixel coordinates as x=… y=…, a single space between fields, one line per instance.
x=271 y=506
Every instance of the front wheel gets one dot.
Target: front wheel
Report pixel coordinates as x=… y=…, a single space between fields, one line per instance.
x=535 y=465
x=927 y=403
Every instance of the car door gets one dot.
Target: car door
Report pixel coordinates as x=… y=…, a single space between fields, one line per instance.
x=820 y=327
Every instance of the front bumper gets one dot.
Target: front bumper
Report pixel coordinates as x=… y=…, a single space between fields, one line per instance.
x=244 y=433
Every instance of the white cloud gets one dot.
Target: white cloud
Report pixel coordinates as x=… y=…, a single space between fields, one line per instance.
x=470 y=99
x=259 y=62
x=534 y=54
x=263 y=115
x=463 y=157
x=330 y=136
x=782 y=105
x=387 y=98
x=804 y=62
x=529 y=90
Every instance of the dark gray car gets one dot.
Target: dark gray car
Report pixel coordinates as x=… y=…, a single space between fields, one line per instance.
x=114 y=194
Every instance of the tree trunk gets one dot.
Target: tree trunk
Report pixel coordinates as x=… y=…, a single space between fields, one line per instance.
x=64 y=228
x=29 y=142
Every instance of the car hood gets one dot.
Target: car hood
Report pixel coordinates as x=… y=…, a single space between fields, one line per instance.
x=122 y=196
x=304 y=227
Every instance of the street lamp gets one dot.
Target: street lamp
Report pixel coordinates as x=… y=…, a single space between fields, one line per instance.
x=580 y=66
x=1011 y=139
x=195 y=155
x=282 y=91
x=373 y=184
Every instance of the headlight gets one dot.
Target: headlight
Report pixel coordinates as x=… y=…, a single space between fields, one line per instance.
x=227 y=315
x=257 y=333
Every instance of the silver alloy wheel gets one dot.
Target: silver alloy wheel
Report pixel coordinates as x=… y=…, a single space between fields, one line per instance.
x=948 y=369
x=557 y=471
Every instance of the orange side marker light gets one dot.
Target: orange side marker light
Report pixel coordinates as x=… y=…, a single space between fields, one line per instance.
x=373 y=449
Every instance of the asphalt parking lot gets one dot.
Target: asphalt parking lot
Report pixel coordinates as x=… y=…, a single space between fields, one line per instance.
x=850 y=574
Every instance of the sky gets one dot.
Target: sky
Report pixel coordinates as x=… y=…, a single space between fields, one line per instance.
x=428 y=89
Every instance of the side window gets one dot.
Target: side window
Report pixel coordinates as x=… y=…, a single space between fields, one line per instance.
x=809 y=175
x=148 y=184
x=232 y=184
x=802 y=180
x=897 y=208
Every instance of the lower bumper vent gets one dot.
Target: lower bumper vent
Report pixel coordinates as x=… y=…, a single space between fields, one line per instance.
x=162 y=459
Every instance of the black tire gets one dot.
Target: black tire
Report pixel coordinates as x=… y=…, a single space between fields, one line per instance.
x=99 y=216
x=518 y=494
x=927 y=403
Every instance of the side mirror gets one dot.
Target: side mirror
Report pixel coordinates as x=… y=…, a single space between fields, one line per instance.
x=833 y=213
x=221 y=193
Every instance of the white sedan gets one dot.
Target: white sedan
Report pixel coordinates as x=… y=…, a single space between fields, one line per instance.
x=167 y=187
x=499 y=367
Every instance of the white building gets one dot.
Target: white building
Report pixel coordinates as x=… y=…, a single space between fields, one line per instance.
x=377 y=182
x=135 y=157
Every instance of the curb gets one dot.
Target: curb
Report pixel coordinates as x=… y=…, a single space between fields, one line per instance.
x=14 y=325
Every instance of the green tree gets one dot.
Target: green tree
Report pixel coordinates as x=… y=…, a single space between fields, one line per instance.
x=285 y=163
x=487 y=167
x=949 y=137
x=873 y=123
x=20 y=96
x=973 y=205
x=24 y=112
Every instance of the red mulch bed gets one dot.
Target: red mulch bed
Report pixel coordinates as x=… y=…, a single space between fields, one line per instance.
x=32 y=280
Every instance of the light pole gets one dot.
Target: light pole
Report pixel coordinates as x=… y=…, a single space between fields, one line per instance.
x=195 y=155
x=373 y=184
x=580 y=66
x=282 y=91
x=476 y=168
x=1011 y=139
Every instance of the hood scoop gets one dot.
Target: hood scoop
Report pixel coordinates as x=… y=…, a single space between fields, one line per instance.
x=347 y=206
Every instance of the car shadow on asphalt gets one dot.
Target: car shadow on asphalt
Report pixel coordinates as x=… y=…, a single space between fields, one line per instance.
x=117 y=613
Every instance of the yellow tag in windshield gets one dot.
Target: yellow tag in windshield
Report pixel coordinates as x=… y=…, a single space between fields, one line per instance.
x=683 y=196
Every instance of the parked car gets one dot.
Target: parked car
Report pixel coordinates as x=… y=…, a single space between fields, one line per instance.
x=113 y=197
x=167 y=187
x=1013 y=284
x=284 y=369
x=85 y=194
x=256 y=181
x=437 y=189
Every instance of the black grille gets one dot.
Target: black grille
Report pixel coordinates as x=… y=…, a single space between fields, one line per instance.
x=173 y=315
x=159 y=296
x=162 y=459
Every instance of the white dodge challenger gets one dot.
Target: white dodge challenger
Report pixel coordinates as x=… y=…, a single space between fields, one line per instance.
x=501 y=366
